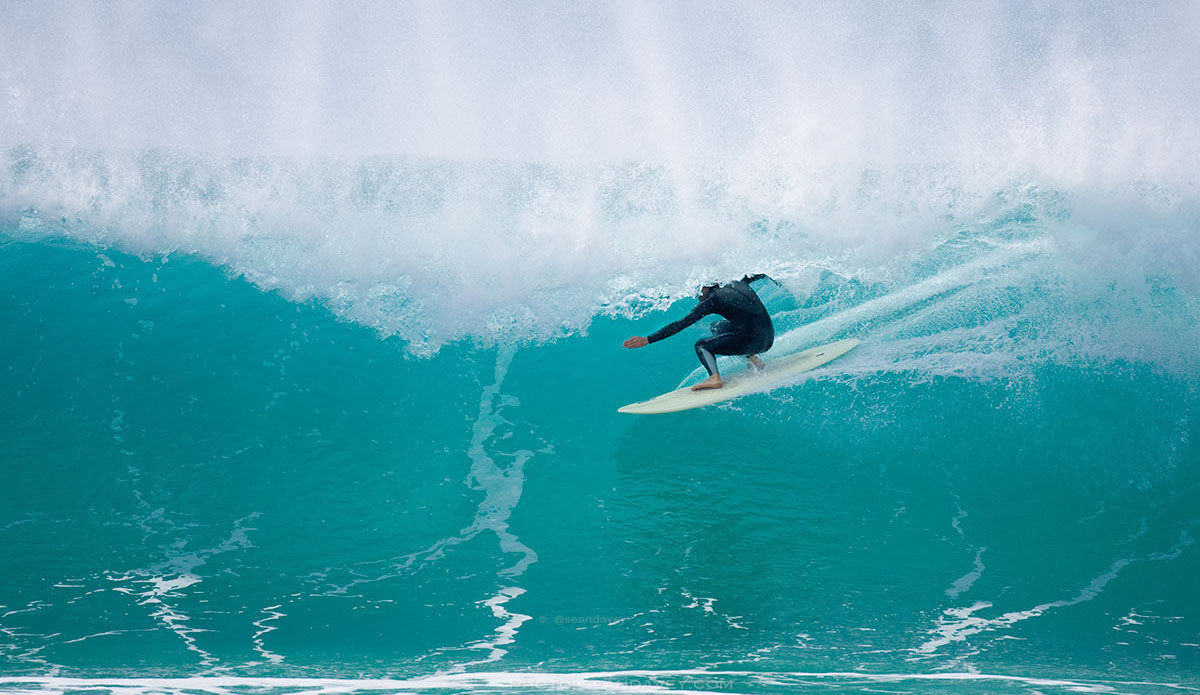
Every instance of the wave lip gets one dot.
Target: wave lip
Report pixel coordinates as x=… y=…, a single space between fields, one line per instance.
x=438 y=251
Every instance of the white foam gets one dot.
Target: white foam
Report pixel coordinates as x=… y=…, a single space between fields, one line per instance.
x=672 y=681
x=257 y=639
x=435 y=182
x=521 y=251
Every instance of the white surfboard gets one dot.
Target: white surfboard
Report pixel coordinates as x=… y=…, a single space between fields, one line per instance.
x=776 y=372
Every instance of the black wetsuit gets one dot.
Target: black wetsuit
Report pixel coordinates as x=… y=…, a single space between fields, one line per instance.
x=746 y=330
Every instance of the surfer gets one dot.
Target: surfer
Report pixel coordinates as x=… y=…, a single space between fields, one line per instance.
x=747 y=328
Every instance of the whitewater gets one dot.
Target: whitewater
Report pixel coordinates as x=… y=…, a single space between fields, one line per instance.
x=311 y=351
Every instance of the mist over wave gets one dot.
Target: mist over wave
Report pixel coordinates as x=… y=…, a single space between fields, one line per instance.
x=1079 y=90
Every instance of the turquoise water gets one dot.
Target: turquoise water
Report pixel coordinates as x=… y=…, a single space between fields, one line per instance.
x=285 y=420
x=203 y=478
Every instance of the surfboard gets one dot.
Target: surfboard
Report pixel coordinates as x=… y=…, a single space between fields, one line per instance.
x=777 y=372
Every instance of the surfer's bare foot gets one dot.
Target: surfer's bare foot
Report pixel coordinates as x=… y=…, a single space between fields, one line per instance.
x=757 y=362
x=712 y=382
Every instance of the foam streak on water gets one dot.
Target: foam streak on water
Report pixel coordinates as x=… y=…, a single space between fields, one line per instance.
x=960 y=623
x=502 y=492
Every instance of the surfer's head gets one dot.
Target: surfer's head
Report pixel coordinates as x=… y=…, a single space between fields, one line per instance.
x=705 y=290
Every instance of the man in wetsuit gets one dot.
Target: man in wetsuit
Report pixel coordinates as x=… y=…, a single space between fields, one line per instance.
x=747 y=328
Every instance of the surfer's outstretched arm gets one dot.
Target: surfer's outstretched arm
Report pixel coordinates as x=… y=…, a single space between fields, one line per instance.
x=701 y=310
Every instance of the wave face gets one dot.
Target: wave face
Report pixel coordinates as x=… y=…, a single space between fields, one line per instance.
x=312 y=356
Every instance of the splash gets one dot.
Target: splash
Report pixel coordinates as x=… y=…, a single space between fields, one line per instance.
x=434 y=181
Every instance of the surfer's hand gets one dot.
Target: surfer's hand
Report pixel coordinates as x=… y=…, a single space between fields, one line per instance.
x=636 y=341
